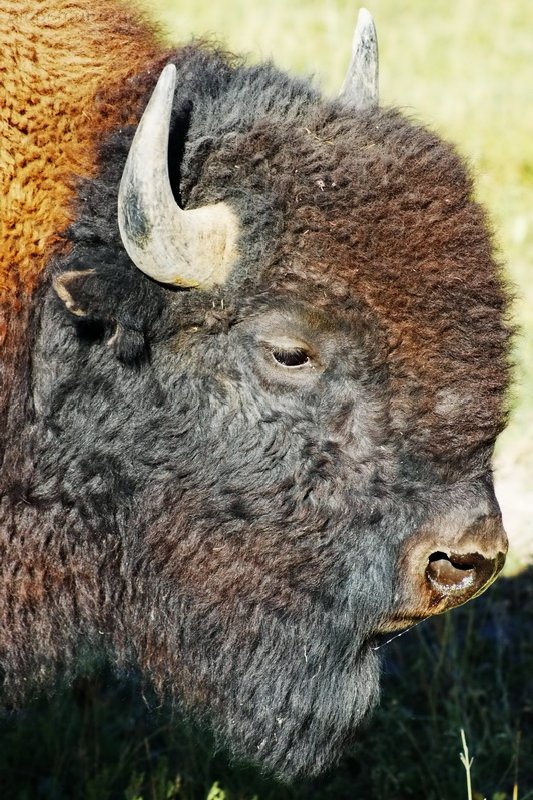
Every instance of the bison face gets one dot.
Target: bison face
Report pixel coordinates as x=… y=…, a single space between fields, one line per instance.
x=292 y=456
x=270 y=518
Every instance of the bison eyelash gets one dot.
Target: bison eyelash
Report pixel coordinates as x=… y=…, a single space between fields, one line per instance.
x=292 y=359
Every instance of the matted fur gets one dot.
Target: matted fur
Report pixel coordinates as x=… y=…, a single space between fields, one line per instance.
x=171 y=497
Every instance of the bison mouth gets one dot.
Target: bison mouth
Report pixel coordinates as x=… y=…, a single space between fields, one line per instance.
x=396 y=628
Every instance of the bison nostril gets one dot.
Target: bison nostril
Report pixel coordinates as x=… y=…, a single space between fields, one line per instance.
x=451 y=572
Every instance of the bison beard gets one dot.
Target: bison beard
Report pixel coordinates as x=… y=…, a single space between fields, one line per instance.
x=236 y=487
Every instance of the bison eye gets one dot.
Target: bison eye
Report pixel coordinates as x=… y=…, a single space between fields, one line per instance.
x=291 y=358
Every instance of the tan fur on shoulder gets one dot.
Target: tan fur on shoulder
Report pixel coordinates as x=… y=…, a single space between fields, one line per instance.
x=59 y=61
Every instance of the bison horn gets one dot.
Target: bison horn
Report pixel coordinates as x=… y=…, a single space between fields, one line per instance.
x=185 y=248
x=360 y=88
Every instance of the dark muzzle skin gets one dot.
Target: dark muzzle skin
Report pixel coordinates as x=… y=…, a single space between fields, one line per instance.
x=453 y=558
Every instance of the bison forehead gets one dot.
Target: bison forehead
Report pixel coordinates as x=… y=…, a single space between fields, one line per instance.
x=372 y=210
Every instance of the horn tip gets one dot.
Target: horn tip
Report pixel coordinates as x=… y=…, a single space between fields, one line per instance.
x=166 y=83
x=364 y=15
x=365 y=22
x=169 y=69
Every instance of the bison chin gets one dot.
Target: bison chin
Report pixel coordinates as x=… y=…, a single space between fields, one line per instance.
x=286 y=694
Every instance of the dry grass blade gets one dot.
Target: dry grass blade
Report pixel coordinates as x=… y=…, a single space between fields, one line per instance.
x=467 y=763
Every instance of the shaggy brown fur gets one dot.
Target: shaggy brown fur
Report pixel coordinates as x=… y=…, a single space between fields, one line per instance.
x=57 y=75
x=415 y=243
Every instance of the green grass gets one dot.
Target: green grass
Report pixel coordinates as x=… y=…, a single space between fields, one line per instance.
x=464 y=68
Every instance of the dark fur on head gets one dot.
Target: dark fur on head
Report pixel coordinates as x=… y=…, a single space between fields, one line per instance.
x=173 y=496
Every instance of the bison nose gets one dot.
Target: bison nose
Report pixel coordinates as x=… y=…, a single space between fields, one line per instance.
x=446 y=565
x=456 y=572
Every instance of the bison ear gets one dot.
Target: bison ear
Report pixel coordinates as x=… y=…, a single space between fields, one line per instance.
x=87 y=297
x=77 y=291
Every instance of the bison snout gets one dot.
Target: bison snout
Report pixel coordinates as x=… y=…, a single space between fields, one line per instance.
x=447 y=565
x=457 y=572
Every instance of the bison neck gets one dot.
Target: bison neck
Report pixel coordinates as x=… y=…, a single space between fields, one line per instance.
x=50 y=129
x=52 y=597
x=56 y=596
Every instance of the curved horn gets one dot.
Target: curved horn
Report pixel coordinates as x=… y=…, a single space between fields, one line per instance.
x=360 y=88
x=185 y=248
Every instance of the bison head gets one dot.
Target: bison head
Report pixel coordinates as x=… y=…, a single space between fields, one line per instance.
x=275 y=445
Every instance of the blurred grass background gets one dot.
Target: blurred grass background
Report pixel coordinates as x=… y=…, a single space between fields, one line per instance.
x=464 y=67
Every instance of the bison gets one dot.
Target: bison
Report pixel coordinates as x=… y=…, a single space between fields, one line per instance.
x=254 y=363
